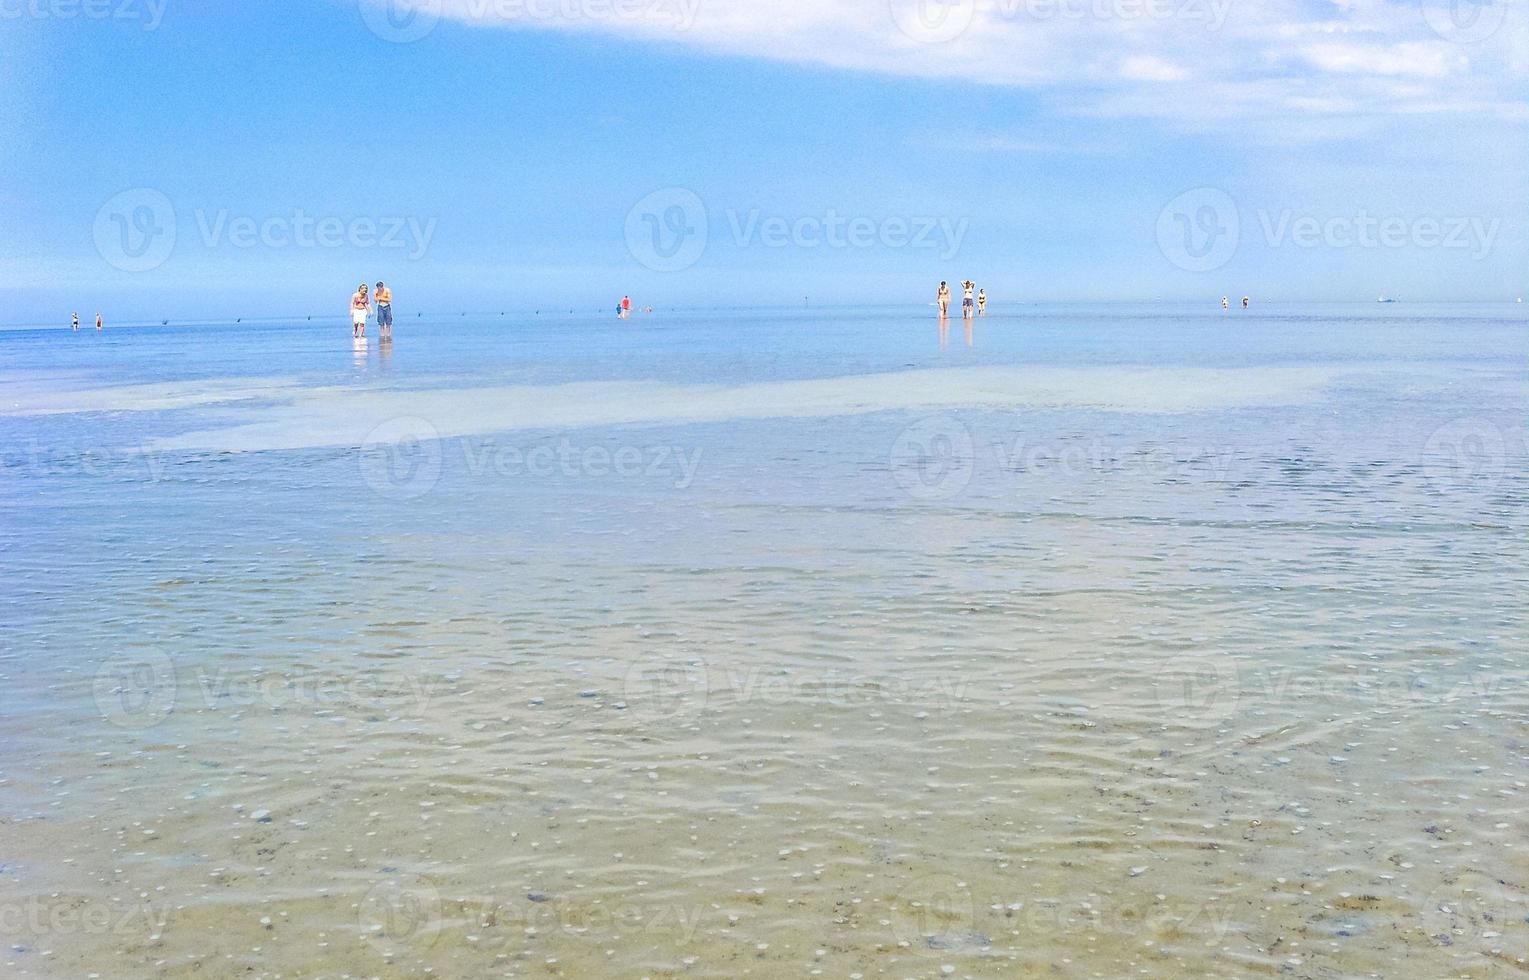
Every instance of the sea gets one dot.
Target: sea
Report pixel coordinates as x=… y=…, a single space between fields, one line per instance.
x=1074 y=641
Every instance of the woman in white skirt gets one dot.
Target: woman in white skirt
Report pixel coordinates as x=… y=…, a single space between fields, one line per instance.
x=358 y=308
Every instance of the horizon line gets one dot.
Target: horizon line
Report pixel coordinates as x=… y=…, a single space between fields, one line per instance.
x=1212 y=306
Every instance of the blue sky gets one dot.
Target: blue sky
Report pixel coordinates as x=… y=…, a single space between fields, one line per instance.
x=165 y=158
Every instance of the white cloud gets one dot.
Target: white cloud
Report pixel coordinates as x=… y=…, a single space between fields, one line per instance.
x=1189 y=60
x=1010 y=143
x=1422 y=60
x=1147 y=68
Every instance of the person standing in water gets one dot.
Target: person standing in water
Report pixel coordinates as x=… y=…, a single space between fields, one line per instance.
x=384 y=300
x=99 y=324
x=1224 y=304
x=74 y=322
x=982 y=302
x=626 y=307
x=966 y=297
x=1244 y=302
x=943 y=298
x=358 y=306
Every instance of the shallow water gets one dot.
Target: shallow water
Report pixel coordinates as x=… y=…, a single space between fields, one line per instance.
x=1115 y=640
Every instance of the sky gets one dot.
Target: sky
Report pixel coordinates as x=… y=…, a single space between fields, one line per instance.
x=167 y=158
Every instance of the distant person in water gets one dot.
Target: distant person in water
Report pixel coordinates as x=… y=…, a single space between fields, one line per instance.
x=1244 y=302
x=99 y=324
x=358 y=305
x=943 y=298
x=74 y=322
x=384 y=300
x=626 y=307
x=982 y=302
x=1225 y=305
x=966 y=297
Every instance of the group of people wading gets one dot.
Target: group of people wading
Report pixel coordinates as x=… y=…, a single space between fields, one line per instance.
x=361 y=305
x=970 y=306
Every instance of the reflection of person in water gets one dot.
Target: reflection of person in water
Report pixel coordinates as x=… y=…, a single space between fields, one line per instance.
x=968 y=330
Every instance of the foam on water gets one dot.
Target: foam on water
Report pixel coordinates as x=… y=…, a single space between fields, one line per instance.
x=292 y=416
x=58 y=396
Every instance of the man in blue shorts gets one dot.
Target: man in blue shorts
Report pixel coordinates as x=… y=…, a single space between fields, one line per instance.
x=384 y=299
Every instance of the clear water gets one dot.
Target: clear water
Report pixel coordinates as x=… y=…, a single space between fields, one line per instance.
x=1104 y=641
